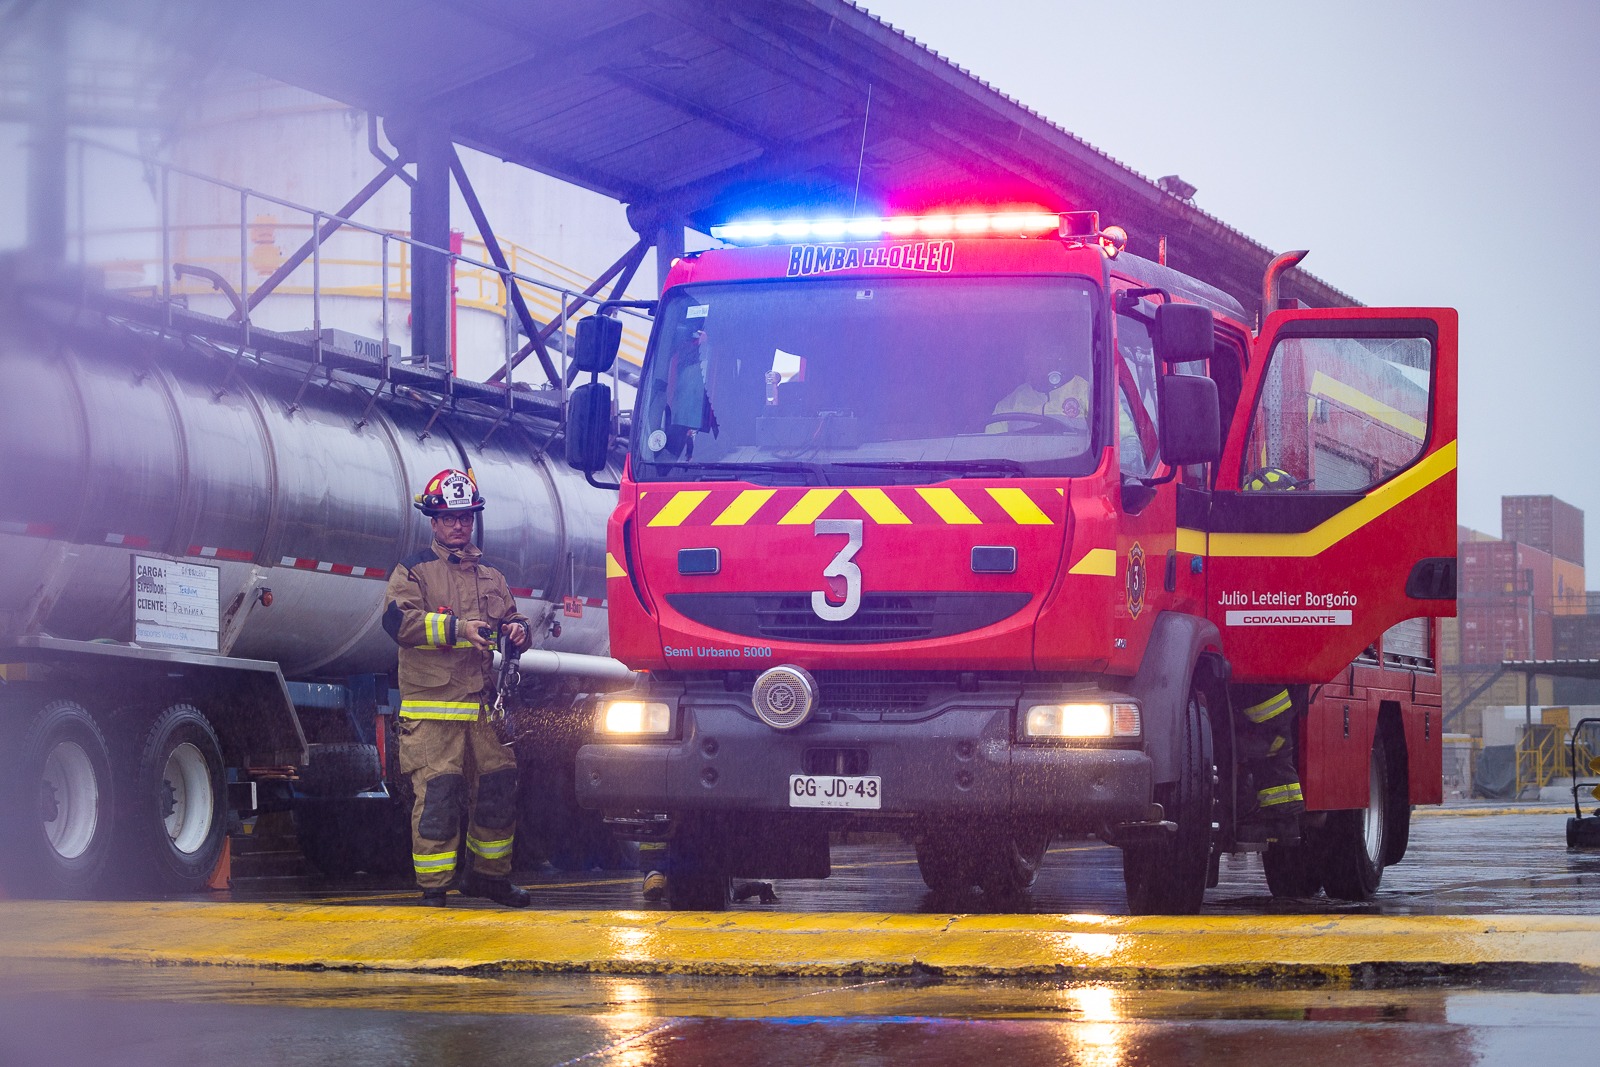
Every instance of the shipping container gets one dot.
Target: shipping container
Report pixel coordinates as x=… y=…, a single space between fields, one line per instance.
x=1568 y=588
x=1546 y=523
x=1506 y=568
x=1494 y=629
x=1577 y=637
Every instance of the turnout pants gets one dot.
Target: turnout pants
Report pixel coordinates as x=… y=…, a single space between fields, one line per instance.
x=1266 y=749
x=455 y=765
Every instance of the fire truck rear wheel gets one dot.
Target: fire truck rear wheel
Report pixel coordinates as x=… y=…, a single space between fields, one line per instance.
x=55 y=819
x=174 y=818
x=1168 y=876
x=1354 y=842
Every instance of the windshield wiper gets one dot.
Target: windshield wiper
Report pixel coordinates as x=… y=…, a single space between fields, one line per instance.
x=964 y=467
x=808 y=470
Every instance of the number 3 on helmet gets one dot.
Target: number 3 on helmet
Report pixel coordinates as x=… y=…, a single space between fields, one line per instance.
x=448 y=492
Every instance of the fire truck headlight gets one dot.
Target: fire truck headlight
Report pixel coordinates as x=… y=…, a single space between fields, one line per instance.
x=634 y=718
x=1044 y=721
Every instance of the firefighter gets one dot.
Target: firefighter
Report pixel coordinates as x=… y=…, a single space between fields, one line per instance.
x=1271 y=798
x=1047 y=389
x=445 y=610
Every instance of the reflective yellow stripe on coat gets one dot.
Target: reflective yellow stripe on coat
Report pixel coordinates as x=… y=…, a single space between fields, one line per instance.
x=1269 y=708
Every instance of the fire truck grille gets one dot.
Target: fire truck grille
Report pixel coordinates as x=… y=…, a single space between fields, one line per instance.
x=871 y=694
x=882 y=617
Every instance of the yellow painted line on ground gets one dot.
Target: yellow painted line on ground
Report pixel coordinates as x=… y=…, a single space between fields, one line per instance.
x=1527 y=810
x=1086 y=947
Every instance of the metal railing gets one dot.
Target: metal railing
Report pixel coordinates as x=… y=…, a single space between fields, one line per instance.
x=354 y=271
x=1544 y=755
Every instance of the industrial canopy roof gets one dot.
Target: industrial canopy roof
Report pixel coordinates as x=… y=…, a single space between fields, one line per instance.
x=702 y=109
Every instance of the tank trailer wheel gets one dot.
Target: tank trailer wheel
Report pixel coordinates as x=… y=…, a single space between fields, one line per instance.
x=175 y=819
x=55 y=822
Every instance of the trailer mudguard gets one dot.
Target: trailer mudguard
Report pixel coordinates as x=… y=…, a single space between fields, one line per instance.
x=1177 y=641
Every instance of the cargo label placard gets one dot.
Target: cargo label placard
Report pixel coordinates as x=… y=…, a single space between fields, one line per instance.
x=175 y=604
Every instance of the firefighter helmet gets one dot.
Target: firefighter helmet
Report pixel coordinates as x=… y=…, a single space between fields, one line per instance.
x=1270 y=478
x=449 y=492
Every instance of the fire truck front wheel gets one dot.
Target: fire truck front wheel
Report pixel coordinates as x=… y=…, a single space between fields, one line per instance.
x=697 y=869
x=1168 y=875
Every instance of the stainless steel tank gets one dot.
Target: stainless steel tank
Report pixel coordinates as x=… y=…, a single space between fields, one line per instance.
x=135 y=444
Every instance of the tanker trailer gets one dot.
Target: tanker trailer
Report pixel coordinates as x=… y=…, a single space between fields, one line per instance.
x=196 y=525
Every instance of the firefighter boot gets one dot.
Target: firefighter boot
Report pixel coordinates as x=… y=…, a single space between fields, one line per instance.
x=499 y=890
x=436 y=897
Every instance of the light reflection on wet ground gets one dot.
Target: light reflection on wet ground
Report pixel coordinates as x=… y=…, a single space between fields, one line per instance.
x=71 y=1014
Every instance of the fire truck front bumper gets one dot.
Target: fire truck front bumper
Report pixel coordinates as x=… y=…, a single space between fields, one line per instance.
x=958 y=763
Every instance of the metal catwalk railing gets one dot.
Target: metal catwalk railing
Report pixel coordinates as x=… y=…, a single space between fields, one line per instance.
x=356 y=260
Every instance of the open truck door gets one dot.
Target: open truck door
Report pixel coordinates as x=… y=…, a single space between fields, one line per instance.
x=1335 y=505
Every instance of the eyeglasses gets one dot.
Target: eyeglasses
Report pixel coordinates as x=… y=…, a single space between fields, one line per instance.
x=454 y=520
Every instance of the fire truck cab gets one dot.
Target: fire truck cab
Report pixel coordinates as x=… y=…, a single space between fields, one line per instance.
x=975 y=527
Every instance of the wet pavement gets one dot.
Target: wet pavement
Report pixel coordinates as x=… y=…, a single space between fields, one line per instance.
x=1410 y=977
x=1468 y=860
x=136 y=1016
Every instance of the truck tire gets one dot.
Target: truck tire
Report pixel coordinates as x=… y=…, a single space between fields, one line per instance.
x=1397 y=830
x=340 y=769
x=1009 y=867
x=697 y=878
x=1167 y=876
x=1293 y=870
x=342 y=837
x=174 y=818
x=945 y=861
x=57 y=809
x=1354 y=842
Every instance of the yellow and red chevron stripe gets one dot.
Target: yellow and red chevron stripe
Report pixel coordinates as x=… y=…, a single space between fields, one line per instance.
x=898 y=505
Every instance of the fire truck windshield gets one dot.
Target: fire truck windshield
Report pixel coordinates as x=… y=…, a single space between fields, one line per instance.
x=859 y=381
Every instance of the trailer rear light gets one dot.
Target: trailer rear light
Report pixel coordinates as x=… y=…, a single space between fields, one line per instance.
x=634 y=718
x=1045 y=721
x=966 y=224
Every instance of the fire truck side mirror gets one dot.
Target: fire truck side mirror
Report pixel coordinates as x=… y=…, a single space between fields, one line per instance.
x=598 y=339
x=1183 y=333
x=589 y=427
x=1191 y=420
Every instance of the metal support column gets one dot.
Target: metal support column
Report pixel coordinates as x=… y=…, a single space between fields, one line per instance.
x=47 y=150
x=669 y=246
x=430 y=271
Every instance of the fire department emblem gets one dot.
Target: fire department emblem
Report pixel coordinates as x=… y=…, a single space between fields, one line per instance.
x=1135 y=580
x=1071 y=408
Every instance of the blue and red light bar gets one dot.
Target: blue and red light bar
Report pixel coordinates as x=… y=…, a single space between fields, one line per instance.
x=1070 y=225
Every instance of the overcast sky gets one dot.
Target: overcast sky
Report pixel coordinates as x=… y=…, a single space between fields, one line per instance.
x=1425 y=152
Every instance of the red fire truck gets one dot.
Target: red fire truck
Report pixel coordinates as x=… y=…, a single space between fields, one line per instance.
x=949 y=525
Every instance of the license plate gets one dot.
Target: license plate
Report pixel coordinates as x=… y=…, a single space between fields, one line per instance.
x=835 y=791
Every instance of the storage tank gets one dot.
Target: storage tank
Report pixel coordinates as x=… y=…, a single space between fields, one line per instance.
x=115 y=444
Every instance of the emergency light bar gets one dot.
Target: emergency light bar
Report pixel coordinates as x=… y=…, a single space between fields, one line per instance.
x=1083 y=226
